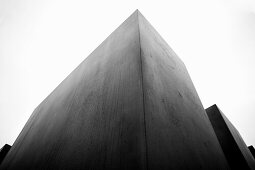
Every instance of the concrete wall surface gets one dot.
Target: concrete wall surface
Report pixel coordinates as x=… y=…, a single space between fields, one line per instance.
x=129 y=105
x=252 y=150
x=3 y=152
x=233 y=146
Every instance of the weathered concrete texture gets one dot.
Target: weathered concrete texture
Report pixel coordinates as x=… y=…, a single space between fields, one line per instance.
x=252 y=150
x=3 y=152
x=233 y=146
x=130 y=105
x=178 y=132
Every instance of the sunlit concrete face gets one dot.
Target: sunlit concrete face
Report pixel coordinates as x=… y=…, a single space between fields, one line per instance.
x=178 y=133
x=130 y=105
x=233 y=146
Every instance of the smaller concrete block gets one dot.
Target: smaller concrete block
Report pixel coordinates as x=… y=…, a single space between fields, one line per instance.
x=3 y=152
x=232 y=144
x=252 y=150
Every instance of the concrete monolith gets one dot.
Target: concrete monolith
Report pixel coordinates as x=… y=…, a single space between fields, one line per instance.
x=129 y=105
x=233 y=146
x=3 y=152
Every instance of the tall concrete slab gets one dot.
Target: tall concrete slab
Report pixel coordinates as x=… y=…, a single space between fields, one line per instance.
x=129 y=105
x=233 y=146
x=252 y=150
x=3 y=152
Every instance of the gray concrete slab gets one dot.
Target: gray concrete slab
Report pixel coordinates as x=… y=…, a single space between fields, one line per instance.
x=233 y=146
x=129 y=105
x=3 y=152
x=252 y=150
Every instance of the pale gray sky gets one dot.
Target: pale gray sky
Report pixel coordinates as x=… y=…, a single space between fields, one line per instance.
x=41 y=42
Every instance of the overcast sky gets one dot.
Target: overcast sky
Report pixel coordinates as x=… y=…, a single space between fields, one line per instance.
x=41 y=42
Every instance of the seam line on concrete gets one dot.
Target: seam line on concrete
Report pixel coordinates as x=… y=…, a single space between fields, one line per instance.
x=144 y=120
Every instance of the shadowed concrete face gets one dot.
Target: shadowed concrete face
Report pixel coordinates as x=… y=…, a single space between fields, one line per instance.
x=130 y=105
x=252 y=150
x=233 y=146
x=3 y=152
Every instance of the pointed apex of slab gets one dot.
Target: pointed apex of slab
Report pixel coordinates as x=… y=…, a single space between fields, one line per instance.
x=136 y=11
x=214 y=106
